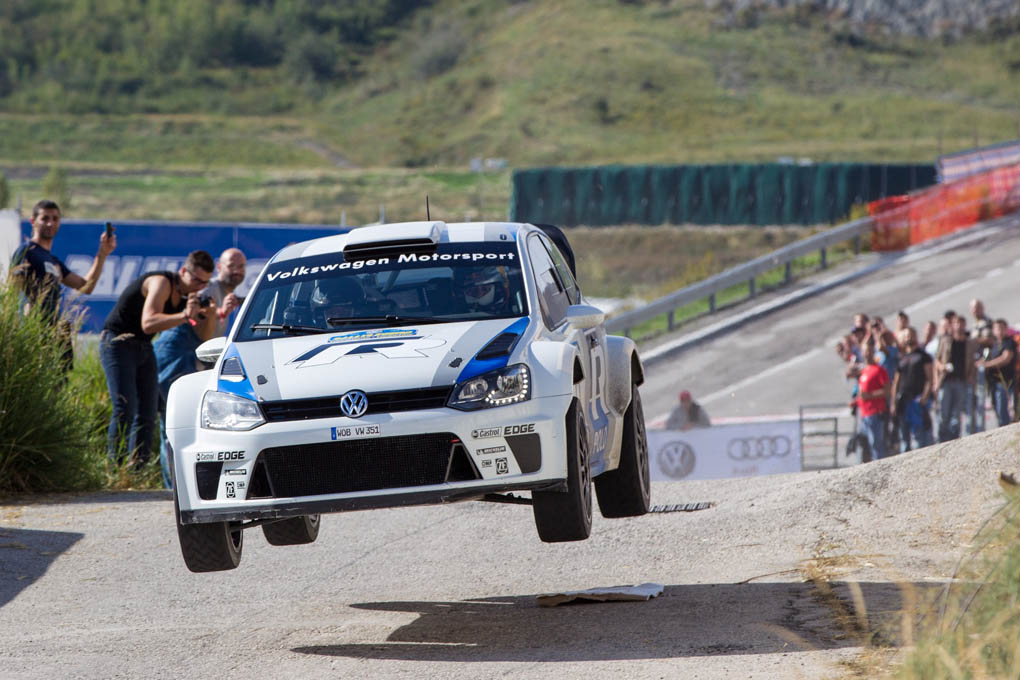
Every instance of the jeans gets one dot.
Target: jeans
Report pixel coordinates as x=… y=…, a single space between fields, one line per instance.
x=130 y=367
x=977 y=403
x=873 y=427
x=175 y=357
x=913 y=419
x=954 y=398
x=1001 y=394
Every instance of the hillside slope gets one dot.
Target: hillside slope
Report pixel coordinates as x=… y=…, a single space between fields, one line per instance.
x=552 y=82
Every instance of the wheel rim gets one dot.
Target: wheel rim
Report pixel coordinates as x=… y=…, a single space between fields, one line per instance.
x=584 y=466
x=641 y=446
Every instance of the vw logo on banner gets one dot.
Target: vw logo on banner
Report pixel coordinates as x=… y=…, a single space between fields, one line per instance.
x=354 y=404
x=758 y=448
x=676 y=459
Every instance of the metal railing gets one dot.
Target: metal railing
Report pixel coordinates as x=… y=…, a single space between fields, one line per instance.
x=741 y=274
x=825 y=430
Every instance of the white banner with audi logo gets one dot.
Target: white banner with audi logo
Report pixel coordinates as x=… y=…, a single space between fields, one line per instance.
x=720 y=451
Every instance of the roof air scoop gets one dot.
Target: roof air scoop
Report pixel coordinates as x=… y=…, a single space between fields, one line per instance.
x=417 y=236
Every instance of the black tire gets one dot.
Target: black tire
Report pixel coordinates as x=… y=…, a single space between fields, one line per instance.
x=626 y=491
x=206 y=547
x=566 y=515
x=292 y=531
x=215 y=546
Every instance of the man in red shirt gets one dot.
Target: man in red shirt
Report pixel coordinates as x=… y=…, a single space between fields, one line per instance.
x=872 y=401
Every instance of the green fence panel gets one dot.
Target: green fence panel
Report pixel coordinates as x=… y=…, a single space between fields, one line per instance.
x=661 y=194
x=739 y=193
x=767 y=194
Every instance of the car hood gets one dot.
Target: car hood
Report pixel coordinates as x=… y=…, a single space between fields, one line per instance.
x=402 y=358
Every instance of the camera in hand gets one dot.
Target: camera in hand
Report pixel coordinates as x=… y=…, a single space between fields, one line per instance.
x=204 y=301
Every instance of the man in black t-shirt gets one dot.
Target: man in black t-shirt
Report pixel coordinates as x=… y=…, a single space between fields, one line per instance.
x=912 y=388
x=154 y=302
x=1000 y=370
x=40 y=273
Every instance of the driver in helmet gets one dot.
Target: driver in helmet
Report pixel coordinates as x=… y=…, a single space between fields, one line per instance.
x=485 y=289
x=337 y=298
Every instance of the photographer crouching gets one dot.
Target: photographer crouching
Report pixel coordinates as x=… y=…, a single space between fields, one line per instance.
x=157 y=301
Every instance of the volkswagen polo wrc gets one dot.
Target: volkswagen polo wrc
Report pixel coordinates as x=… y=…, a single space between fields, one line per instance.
x=407 y=364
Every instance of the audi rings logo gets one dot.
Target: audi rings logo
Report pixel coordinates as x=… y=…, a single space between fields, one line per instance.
x=758 y=448
x=354 y=404
x=676 y=460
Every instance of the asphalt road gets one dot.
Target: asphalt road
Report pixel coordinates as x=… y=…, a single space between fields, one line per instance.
x=93 y=586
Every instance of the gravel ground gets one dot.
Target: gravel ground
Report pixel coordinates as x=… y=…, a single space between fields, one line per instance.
x=93 y=586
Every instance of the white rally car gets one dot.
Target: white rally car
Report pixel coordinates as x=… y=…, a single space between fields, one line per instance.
x=407 y=364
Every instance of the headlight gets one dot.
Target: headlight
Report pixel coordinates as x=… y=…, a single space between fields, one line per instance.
x=225 y=411
x=497 y=388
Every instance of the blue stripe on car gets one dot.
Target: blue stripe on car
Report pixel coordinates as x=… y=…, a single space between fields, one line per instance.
x=476 y=367
x=242 y=388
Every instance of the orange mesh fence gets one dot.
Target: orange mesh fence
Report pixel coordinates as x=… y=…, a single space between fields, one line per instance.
x=901 y=221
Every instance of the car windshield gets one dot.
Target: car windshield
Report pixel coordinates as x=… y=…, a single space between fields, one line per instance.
x=456 y=282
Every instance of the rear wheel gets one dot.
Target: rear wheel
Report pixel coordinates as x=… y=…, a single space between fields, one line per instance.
x=566 y=516
x=626 y=491
x=292 y=531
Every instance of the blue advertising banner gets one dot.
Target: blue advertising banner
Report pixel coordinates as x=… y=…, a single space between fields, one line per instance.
x=152 y=246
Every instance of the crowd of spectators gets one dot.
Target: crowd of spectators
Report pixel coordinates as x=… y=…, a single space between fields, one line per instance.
x=909 y=391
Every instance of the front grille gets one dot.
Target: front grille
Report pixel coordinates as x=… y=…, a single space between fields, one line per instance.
x=358 y=465
x=378 y=402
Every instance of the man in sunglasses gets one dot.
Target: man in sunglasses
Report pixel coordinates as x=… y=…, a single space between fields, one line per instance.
x=154 y=302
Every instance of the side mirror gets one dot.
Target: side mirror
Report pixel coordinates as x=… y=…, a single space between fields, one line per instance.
x=584 y=316
x=210 y=350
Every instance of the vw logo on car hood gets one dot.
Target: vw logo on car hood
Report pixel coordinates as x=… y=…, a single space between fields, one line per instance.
x=354 y=404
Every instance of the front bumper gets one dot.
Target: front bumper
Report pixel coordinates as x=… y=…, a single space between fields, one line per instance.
x=287 y=469
x=256 y=510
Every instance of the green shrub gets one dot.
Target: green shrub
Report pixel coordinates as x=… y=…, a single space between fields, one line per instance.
x=46 y=440
x=56 y=188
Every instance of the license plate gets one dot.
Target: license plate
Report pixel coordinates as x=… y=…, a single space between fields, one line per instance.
x=355 y=432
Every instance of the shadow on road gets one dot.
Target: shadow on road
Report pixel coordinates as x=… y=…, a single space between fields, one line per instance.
x=26 y=554
x=686 y=620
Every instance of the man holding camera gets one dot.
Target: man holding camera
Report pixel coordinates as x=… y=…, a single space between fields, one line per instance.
x=157 y=301
x=175 y=348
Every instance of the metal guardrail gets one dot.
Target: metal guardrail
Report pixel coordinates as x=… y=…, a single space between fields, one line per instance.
x=744 y=273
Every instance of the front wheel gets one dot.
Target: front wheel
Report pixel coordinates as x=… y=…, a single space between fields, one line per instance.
x=215 y=546
x=292 y=531
x=626 y=491
x=566 y=516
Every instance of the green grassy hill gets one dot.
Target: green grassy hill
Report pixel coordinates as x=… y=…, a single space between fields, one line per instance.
x=170 y=111
x=554 y=82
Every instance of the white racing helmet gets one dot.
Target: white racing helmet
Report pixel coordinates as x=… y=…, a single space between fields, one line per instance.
x=485 y=287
